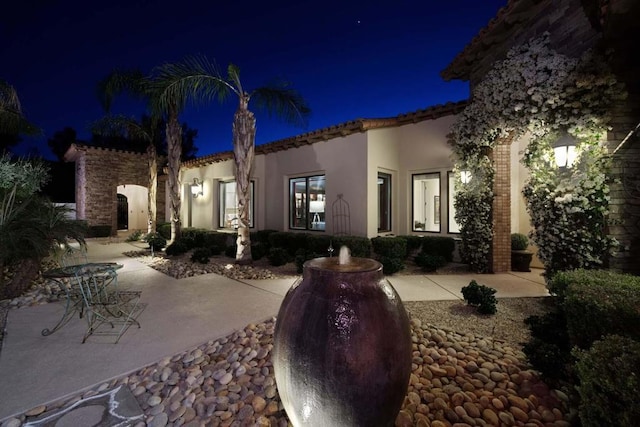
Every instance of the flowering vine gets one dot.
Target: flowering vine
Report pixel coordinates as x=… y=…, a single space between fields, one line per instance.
x=538 y=92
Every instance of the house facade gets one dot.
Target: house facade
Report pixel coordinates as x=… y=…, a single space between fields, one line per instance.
x=367 y=177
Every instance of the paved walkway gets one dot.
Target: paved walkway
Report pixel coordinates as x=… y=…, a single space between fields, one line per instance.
x=180 y=314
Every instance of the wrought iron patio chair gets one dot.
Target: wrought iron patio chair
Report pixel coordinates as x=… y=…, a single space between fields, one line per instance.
x=108 y=310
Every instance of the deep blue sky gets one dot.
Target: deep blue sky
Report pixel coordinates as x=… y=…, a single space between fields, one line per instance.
x=349 y=59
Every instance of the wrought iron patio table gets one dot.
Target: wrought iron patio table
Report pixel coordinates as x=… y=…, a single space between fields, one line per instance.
x=70 y=277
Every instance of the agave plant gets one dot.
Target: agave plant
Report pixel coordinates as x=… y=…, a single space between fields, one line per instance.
x=30 y=225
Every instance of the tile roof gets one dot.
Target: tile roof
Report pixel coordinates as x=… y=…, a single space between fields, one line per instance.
x=340 y=130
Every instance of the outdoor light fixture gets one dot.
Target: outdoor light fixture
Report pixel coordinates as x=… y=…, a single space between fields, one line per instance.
x=564 y=150
x=196 y=188
x=465 y=176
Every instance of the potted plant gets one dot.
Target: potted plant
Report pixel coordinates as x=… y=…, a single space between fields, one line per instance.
x=520 y=256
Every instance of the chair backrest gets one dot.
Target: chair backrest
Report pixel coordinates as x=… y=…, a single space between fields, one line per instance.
x=74 y=256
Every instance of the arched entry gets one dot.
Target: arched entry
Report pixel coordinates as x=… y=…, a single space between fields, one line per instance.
x=123 y=212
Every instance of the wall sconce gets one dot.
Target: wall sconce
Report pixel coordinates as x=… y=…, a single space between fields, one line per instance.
x=564 y=150
x=465 y=176
x=196 y=188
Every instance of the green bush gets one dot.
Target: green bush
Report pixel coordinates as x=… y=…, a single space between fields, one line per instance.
x=519 y=242
x=480 y=296
x=201 y=255
x=429 y=262
x=176 y=248
x=134 y=236
x=195 y=236
x=359 y=246
x=439 y=246
x=231 y=250
x=303 y=256
x=548 y=350
x=258 y=250
x=391 y=265
x=99 y=231
x=278 y=256
x=155 y=241
x=599 y=303
x=414 y=243
x=164 y=229
x=289 y=241
x=262 y=236
x=609 y=383
x=390 y=247
x=217 y=241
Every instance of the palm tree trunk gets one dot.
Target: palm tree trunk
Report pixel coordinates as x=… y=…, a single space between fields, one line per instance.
x=244 y=133
x=152 y=159
x=174 y=149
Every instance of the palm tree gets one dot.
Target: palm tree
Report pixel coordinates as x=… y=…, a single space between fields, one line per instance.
x=12 y=119
x=140 y=86
x=198 y=80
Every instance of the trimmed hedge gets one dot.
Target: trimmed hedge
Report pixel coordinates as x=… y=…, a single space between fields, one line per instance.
x=390 y=247
x=176 y=248
x=439 y=246
x=201 y=255
x=429 y=262
x=414 y=243
x=599 y=303
x=609 y=383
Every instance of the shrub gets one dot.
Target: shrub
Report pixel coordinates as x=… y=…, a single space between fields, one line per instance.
x=134 y=236
x=303 y=256
x=390 y=247
x=359 y=246
x=262 y=236
x=164 y=230
x=156 y=241
x=391 y=265
x=99 y=231
x=519 y=242
x=201 y=255
x=278 y=256
x=548 y=350
x=214 y=249
x=429 y=262
x=480 y=296
x=176 y=248
x=195 y=236
x=414 y=243
x=289 y=241
x=258 y=250
x=231 y=250
x=599 y=303
x=609 y=382
x=216 y=241
x=439 y=246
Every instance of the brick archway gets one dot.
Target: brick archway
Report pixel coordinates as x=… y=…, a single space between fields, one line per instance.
x=99 y=171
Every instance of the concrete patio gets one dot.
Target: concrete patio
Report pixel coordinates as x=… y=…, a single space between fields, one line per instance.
x=180 y=314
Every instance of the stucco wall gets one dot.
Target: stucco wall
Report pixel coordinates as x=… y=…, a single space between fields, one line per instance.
x=137 y=196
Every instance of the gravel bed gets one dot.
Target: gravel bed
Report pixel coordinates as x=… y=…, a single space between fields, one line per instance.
x=467 y=369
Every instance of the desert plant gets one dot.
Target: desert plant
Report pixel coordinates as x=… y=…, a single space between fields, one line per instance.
x=156 y=241
x=135 y=236
x=519 y=242
x=480 y=296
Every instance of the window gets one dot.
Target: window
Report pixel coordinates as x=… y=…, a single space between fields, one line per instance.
x=307 y=201
x=384 y=201
x=451 y=194
x=229 y=205
x=426 y=202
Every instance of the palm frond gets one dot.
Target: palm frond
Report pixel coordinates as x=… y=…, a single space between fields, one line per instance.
x=194 y=80
x=132 y=82
x=122 y=126
x=283 y=101
x=12 y=119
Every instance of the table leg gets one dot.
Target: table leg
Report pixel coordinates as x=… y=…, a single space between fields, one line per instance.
x=71 y=305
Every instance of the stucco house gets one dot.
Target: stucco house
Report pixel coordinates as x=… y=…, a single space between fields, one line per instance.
x=372 y=177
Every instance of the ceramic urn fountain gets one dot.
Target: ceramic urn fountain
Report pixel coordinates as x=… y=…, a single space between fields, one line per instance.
x=342 y=351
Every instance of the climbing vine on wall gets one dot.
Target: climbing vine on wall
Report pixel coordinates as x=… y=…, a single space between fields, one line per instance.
x=542 y=94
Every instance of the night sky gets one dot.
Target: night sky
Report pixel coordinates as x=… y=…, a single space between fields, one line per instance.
x=349 y=59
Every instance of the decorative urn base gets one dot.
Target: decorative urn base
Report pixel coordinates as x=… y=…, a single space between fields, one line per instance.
x=342 y=346
x=521 y=260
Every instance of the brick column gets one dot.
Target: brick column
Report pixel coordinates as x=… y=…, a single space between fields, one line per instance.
x=501 y=210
